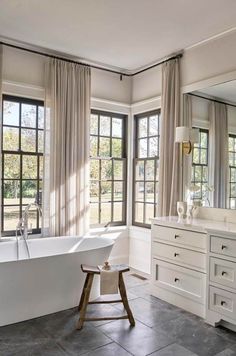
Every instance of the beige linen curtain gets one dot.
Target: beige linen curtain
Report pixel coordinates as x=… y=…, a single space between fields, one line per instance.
x=218 y=163
x=1 y=63
x=169 y=171
x=66 y=179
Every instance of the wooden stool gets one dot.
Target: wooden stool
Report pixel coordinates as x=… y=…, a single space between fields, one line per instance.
x=84 y=300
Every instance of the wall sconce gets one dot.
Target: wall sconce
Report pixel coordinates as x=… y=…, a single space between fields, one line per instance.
x=187 y=137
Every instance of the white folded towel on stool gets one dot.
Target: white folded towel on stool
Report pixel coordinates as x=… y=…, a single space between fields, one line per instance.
x=109 y=281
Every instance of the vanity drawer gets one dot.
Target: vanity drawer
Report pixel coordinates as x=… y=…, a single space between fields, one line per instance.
x=223 y=302
x=183 y=281
x=222 y=246
x=186 y=238
x=223 y=272
x=180 y=255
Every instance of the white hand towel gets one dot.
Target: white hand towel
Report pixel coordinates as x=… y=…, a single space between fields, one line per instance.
x=109 y=281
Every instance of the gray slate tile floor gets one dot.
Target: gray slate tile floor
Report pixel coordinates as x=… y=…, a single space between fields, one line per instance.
x=161 y=330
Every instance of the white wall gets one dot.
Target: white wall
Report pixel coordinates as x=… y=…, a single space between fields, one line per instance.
x=23 y=75
x=199 y=63
x=207 y=62
x=201 y=66
x=21 y=68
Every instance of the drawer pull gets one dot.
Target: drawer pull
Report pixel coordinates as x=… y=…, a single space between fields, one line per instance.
x=223 y=303
x=176 y=254
x=176 y=280
x=223 y=247
x=223 y=273
x=176 y=236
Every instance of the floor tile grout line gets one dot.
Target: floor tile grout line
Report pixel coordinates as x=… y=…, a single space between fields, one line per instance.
x=172 y=343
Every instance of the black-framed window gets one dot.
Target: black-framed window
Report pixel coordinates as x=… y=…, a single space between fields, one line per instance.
x=146 y=162
x=200 y=171
x=22 y=160
x=232 y=171
x=107 y=168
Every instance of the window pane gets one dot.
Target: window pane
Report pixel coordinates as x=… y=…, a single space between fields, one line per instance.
x=203 y=139
x=11 y=192
x=41 y=167
x=153 y=147
x=28 y=115
x=93 y=146
x=10 y=139
x=29 y=167
x=10 y=113
x=139 y=170
x=233 y=190
x=106 y=169
x=104 y=147
x=149 y=192
x=28 y=140
x=142 y=148
x=149 y=172
x=118 y=191
x=40 y=141
x=118 y=170
x=142 y=127
x=11 y=216
x=29 y=191
x=94 y=217
x=106 y=191
x=203 y=156
x=139 y=191
x=40 y=117
x=94 y=192
x=149 y=213
x=117 y=212
x=139 y=212
x=153 y=125
x=105 y=125
x=195 y=155
x=11 y=166
x=233 y=174
x=32 y=221
x=116 y=147
x=116 y=127
x=105 y=213
x=94 y=124
x=94 y=169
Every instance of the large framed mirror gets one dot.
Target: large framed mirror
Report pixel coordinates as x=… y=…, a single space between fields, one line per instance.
x=209 y=175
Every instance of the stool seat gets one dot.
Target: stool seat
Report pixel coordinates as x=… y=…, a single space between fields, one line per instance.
x=96 y=270
x=84 y=300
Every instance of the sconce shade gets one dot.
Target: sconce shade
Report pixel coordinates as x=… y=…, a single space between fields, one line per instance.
x=194 y=135
x=182 y=134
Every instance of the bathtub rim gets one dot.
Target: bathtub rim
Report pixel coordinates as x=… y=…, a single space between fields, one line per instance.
x=110 y=243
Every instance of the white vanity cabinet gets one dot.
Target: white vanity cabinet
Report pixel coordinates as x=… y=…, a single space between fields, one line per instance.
x=179 y=264
x=194 y=267
x=221 y=281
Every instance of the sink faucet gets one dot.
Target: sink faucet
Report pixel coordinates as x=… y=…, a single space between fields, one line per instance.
x=23 y=227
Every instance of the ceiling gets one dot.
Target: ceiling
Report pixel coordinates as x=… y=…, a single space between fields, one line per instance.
x=225 y=91
x=127 y=34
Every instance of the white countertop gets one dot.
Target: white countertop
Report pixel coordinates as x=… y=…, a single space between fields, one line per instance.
x=198 y=225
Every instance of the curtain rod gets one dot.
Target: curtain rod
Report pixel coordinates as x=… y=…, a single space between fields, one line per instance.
x=179 y=55
x=215 y=100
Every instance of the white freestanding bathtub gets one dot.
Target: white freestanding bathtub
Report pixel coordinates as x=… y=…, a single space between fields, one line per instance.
x=51 y=280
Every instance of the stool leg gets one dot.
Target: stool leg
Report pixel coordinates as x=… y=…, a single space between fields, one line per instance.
x=125 y=299
x=85 y=302
x=83 y=292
